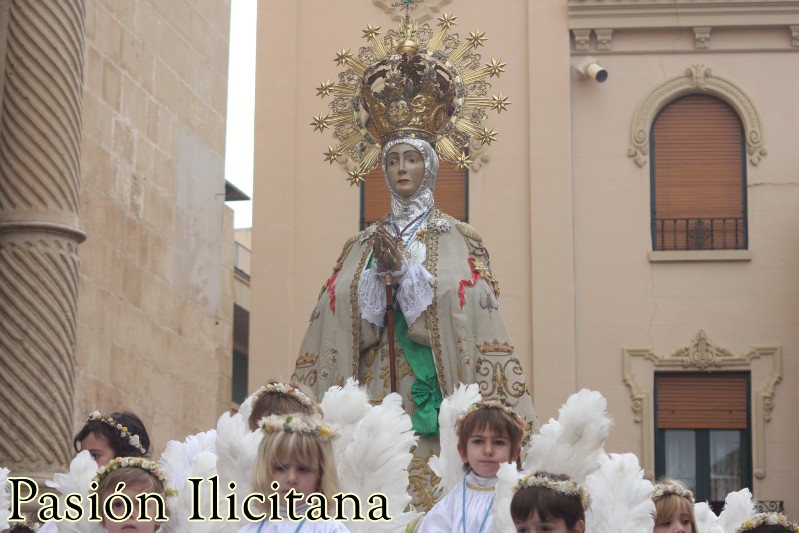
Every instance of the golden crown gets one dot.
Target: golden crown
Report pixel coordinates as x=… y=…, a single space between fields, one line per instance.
x=416 y=81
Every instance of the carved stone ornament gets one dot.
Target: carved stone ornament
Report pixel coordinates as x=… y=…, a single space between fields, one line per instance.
x=701 y=354
x=428 y=10
x=702 y=36
x=697 y=79
x=582 y=40
x=604 y=39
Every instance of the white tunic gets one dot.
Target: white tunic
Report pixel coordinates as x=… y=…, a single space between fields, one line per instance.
x=448 y=514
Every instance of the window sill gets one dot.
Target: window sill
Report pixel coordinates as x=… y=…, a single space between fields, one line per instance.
x=699 y=256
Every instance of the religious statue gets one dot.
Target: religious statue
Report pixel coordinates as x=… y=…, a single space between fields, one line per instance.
x=412 y=304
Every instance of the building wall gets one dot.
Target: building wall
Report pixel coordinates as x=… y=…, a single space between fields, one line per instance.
x=626 y=301
x=155 y=310
x=561 y=207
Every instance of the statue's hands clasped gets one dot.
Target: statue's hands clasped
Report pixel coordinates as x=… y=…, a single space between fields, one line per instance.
x=388 y=251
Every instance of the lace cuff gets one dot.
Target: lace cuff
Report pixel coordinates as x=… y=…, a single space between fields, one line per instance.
x=415 y=292
x=372 y=297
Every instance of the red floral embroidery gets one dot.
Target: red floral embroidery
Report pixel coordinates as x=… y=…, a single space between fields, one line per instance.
x=331 y=288
x=468 y=282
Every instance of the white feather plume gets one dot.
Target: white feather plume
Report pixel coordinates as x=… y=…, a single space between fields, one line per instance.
x=738 y=506
x=447 y=465
x=82 y=470
x=376 y=462
x=507 y=477
x=344 y=407
x=194 y=457
x=5 y=499
x=706 y=519
x=236 y=455
x=621 y=499
x=573 y=443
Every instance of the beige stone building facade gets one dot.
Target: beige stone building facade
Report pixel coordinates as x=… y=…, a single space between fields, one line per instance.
x=592 y=296
x=114 y=120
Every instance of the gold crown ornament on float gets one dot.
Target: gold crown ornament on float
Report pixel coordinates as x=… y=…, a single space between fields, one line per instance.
x=417 y=82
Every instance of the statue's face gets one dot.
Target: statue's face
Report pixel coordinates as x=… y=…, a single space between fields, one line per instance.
x=405 y=169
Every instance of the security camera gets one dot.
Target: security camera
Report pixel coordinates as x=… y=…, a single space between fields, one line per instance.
x=590 y=68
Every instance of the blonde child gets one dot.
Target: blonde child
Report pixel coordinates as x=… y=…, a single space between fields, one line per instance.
x=768 y=523
x=295 y=453
x=674 y=508
x=549 y=503
x=489 y=433
x=278 y=398
x=139 y=476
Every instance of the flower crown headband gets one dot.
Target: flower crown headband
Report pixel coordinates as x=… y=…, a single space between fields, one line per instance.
x=285 y=388
x=774 y=519
x=566 y=487
x=132 y=439
x=151 y=467
x=526 y=427
x=293 y=424
x=665 y=489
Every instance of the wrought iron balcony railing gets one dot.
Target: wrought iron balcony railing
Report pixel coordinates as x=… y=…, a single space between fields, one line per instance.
x=699 y=234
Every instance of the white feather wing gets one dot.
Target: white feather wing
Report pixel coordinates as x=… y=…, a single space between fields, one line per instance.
x=376 y=462
x=236 y=455
x=5 y=499
x=738 y=506
x=507 y=477
x=195 y=457
x=447 y=465
x=706 y=519
x=572 y=444
x=620 y=496
x=344 y=407
x=82 y=470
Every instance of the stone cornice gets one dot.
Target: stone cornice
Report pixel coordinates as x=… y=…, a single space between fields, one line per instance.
x=642 y=14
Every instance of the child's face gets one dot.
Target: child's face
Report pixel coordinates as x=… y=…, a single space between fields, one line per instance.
x=534 y=524
x=486 y=450
x=677 y=522
x=98 y=448
x=298 y=476
x=131 y=525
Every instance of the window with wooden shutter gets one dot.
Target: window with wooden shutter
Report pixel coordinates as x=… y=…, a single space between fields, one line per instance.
x=688 y=401
x=698 y=176
x=703 y=437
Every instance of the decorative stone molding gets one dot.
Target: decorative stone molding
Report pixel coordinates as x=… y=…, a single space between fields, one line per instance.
x=701 y=355
x=794 y=36
x=697 y=79
x=428 y=10
x=604 y=39
x=40 y=132
x=651 y=14
x=702 y=36
x=582 y=40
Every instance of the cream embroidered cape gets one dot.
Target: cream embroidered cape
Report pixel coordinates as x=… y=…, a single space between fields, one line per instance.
x=463 y=325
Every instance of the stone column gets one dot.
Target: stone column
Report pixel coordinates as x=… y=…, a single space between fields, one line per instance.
x=40 y=131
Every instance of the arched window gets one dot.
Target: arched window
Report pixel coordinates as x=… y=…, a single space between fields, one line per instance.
x=698 y=173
